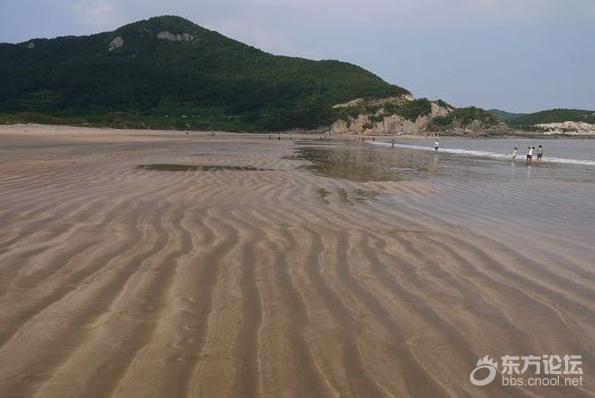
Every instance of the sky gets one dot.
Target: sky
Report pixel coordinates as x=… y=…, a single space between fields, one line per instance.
x=515 y=55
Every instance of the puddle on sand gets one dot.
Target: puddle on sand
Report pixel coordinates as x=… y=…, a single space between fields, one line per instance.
x=357 y=163
x=187 y=167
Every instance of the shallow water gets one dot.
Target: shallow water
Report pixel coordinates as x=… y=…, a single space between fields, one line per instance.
x=564 y=150
x=492 y=195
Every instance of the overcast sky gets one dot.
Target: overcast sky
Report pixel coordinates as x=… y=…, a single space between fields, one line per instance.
x=517 y=55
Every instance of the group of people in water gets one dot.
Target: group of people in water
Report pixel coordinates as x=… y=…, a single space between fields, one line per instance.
x=531 y=152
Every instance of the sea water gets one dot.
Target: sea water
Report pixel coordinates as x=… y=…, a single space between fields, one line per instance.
x=564 y=150
x=475 y=184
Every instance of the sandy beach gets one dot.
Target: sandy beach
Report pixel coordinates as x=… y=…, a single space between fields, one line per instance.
x=154 y=264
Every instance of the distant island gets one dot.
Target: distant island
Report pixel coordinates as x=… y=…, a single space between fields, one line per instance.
x=556 y=121
x=169 y=73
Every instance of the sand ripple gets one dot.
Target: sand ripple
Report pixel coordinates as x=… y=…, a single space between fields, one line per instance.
x=220 y=281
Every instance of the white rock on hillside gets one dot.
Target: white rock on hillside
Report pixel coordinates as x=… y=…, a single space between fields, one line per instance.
x=350 y=104
x=116 y=43
x=568 y=128
x=165 y=35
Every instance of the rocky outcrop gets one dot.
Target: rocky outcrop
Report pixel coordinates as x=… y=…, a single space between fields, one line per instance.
x=399 y=125
x=382 y=121
x=439 y=111
x=340 y=127
x=567 y=128
x=392 y=124
x=179 y=37
x=116 y=43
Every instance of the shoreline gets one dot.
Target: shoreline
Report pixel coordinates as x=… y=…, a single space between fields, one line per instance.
x=519 y=134
x=488 y=154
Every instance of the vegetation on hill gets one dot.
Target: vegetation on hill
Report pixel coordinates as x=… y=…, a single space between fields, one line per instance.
x=503 y=115
x=464 y=118
x=206 y=81
x=376 y=109
x=410 y=110
x=554 y=116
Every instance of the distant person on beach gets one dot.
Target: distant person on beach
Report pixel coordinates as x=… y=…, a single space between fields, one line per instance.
x=270 y=136
x=514 y=153
x=539 y=153
x=393 y=143
x=529 y=154
x=279 y=136
x=436 y=145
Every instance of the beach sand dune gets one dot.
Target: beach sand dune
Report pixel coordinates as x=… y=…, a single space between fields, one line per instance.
x=247 y=275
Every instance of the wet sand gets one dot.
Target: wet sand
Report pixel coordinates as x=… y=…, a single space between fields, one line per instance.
x=152 y=264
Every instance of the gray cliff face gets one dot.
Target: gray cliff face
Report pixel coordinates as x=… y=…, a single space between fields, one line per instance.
x=392 y=124
x=388 y=123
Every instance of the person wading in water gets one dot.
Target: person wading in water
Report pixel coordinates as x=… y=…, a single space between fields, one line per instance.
x=539 y=153
x=530 y=154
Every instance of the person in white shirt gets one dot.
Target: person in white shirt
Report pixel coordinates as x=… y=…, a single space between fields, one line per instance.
x=514 y=153
x=529 y=154
x=436 y=145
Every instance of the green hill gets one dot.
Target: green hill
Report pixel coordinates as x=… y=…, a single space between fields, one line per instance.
x=167 y=72
x=553 y=116
x=504 y=115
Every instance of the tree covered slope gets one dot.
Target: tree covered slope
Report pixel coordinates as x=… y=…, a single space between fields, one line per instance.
x=167 y=72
